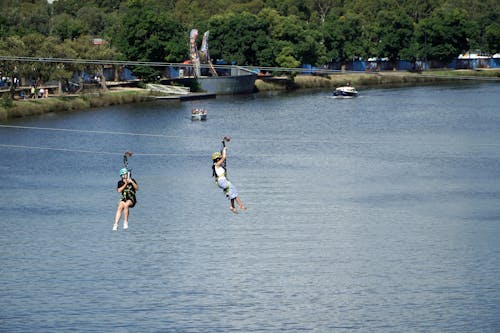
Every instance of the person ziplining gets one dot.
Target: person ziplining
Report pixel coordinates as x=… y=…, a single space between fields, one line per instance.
x=127 y=187
x=219 y=171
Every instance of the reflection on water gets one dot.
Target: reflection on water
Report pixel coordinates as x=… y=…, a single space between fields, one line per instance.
x=378 y=213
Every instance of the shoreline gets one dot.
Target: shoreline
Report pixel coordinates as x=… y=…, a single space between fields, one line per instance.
x=379 y=79
x=10 y=109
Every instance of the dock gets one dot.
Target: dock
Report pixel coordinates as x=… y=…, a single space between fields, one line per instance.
x=188 y=97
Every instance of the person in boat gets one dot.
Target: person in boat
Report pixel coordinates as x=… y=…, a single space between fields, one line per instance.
x=127 y=186
x=196 y=111
x=219 y=172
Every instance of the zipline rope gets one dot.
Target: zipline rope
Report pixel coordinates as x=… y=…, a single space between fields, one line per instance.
x=294 y=140
x=96 y=132
x=84 y=151
x=131 y=133
x=91 y=151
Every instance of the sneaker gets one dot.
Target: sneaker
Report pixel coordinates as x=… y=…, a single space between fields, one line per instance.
x=125 y=225
x=115 y=227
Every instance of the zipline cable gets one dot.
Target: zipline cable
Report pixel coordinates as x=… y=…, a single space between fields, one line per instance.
x=285 y=140
x=144 y=134
x=95 y=132
x=92 y=151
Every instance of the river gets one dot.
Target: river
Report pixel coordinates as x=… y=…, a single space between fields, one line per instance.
x=374 y=214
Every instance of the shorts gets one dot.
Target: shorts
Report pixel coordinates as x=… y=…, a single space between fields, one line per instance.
x=134 y=201
x=228 y=188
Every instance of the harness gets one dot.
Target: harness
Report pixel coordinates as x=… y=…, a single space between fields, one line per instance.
x=129 y=194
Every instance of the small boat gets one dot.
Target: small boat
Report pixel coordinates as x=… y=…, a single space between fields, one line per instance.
x=345 y=92
x=198 y=114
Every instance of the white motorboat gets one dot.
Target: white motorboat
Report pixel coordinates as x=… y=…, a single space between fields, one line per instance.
x=345 y=92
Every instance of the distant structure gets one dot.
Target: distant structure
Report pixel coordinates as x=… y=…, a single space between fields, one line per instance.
x=193 y=52
x=198 y=57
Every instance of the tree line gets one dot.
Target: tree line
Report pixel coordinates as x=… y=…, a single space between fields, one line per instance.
x=271 y=33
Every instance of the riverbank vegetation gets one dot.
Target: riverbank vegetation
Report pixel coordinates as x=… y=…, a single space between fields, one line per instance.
x=382 y=79
x=253 y=33
x=29 y=107
x=482 y=72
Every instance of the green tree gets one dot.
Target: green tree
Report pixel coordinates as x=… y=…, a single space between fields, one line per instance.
x=150 y=36
x=324 y=7
x=12 y=46
x=242 y=38
x=30 y=45
x=61 y=72
x=191 y=13
x=39 y=46
x=444 y=35
x=420 y=9
x=492 y=37
x=23 y=17
x=306 y=43
x=395 y=30
x=93 y=18
x=157 y=30
x=67 y=27
x=4 y=26
x=84 y=48
x=35 y=46
x=286 y=57
x=299 y=8
x=252 y=6
x=69 y=7
x=342 y=37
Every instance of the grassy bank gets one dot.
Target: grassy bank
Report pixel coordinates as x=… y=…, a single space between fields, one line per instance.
x=361 y=80
x=373 y=79
x=23 y=108
x=459 y=73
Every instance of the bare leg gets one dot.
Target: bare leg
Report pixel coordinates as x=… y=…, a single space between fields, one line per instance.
x=122 y=206
x=119 y=209
x=126 y=211
x=240 y=204
x=232 y=208
x=118 y=214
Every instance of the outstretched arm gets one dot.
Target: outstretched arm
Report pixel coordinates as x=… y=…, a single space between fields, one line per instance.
x=223 y=158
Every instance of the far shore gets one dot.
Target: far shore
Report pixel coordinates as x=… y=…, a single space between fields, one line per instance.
x=10 y=109
x=388 y=78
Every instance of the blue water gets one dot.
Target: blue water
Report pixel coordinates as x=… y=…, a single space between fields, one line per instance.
x=374 y=214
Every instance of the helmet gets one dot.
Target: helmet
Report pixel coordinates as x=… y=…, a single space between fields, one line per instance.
x=216 y=155
x=123 y=171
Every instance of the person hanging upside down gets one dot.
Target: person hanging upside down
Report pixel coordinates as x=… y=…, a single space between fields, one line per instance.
x=220 y=176
x=127 y=186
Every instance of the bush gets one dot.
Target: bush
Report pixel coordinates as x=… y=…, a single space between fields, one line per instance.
x=6 y=101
